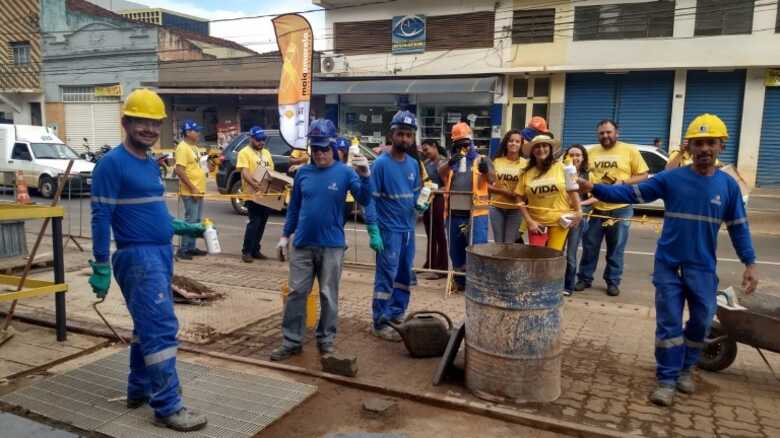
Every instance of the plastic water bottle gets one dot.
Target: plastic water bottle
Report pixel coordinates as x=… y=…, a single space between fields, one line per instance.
x=462 y=165
x=210 y=235
x=425 y=195
x=570 y=174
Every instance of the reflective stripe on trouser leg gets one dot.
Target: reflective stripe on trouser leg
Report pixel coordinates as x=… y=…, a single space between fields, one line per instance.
x=669 y=342
x=300 y=281
x=404 y=277
x=458 y=243
x=329 y=273
x=144 y=275
x=701 y=289
x=387 y=263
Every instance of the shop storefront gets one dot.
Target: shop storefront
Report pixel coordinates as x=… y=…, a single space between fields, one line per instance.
x=366 y=107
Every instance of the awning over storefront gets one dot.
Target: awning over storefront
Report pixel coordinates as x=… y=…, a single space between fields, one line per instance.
x=406 y=86
x=212 y=91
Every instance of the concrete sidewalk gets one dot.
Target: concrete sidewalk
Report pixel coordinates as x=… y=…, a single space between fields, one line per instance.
x=608 y=366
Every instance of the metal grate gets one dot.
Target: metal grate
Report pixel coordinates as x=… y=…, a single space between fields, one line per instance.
x=237 y=405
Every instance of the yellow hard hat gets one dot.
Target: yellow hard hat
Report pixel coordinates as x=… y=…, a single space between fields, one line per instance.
x=145 y=104
x=707 y=126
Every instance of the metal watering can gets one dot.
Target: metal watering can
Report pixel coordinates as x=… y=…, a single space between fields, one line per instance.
x=424 y=333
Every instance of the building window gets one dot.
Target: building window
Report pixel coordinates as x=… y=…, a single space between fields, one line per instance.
x=533 y=26
x=724 y=17
x=84 y=95
x=20 y=52
x=530 y=97
x=624 y=21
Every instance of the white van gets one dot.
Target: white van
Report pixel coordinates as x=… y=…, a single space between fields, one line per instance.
x=42 y=157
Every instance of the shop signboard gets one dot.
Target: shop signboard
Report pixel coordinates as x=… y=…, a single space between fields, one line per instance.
x=409 y=34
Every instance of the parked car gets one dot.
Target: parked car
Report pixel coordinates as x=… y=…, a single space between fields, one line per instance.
x=229 y=178
x=42 y=158
x=656 y=161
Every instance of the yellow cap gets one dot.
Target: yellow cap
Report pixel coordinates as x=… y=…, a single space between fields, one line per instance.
x=707 y=126
x=144 y=104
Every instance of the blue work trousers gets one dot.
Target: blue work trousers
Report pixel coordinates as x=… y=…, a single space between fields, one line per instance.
x=306 y=264
x=677 y=349
x=459 y=240
x=144 y=273
x=572 y=245
x=193 y=214
x=616 y=236
x=394 y=277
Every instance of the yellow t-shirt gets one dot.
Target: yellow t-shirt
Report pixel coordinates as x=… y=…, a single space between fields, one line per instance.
x=547 y=191
x=620 y=162
x=249 y=159
x=188 y=156
x=508 y=174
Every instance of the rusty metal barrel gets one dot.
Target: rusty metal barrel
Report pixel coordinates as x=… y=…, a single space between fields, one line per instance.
x=513 y=322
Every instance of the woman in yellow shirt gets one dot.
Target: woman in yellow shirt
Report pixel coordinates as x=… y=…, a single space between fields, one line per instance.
x=505 y=216
x=543 y=188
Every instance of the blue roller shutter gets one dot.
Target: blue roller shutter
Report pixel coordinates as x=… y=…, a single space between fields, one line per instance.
x=640 y=102
x=769 y=151
x=645 y=107
x=590 y=97
x=718 y=93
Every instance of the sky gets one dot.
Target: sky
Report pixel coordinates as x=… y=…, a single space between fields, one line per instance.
x=257 y=34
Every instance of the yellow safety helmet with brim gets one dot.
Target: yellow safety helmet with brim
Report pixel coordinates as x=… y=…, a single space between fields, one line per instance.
x=144 y=104
x=707 y=126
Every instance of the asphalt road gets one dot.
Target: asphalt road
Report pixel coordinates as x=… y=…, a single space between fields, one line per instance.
x=636 y=287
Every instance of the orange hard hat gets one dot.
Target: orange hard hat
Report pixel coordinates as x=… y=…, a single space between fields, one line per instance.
x=538 y=123
x=460 y=131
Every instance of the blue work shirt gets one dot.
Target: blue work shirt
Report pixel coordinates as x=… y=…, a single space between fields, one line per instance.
x=396 y=185
x=696 y=206
x=127 y=197
x=316 y=210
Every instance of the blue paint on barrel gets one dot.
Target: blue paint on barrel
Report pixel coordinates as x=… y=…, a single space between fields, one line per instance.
x=513 y=322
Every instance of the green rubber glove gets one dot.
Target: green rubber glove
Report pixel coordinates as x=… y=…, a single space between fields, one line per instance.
x=185 y=229
x=100 y=280
x=421 y=208
x=375 y=239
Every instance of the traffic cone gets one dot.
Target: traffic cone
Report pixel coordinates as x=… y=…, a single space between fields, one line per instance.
x=22 y=194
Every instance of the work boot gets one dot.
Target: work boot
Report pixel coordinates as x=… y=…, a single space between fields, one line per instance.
x=246 y=258
x=259 y=256
x=581 y=286
x=183 y=256
x=135 y=403
x=284 y=352
x=184 y=420
x=325 y=348
x=685 y=383
x=197 y=252
x=387 y=333
x=663 y=395
x=613 y=290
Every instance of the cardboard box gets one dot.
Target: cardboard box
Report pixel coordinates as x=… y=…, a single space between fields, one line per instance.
x=273 y=187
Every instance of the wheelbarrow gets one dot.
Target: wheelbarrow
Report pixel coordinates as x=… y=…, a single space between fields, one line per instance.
x=754 y=321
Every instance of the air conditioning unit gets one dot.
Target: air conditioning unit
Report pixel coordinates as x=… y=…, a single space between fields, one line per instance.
x=333 y=64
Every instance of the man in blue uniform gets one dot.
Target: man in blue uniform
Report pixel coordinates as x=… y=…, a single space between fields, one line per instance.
x=698 y=198
x=396 y=183
x=127 y=197
x=315 y=218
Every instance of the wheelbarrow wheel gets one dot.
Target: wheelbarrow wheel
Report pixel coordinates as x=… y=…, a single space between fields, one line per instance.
x=718 y=355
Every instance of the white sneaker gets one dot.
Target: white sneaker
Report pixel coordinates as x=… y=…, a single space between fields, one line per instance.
x=387 y=333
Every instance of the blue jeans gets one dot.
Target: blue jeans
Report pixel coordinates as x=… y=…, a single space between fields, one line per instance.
x=506 y=224
x=460 y=241
x=393 y=277
x=616 y=236
x=305 y=264
x=144 y=273
x=193 y=214
x=572 y=244
x=677 y=349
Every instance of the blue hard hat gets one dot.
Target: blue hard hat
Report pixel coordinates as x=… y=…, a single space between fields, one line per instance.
x=321 y=133
x=257 y=133
x=190 y=125
x=342 y=144
x=404 y=119
x=529 y=133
